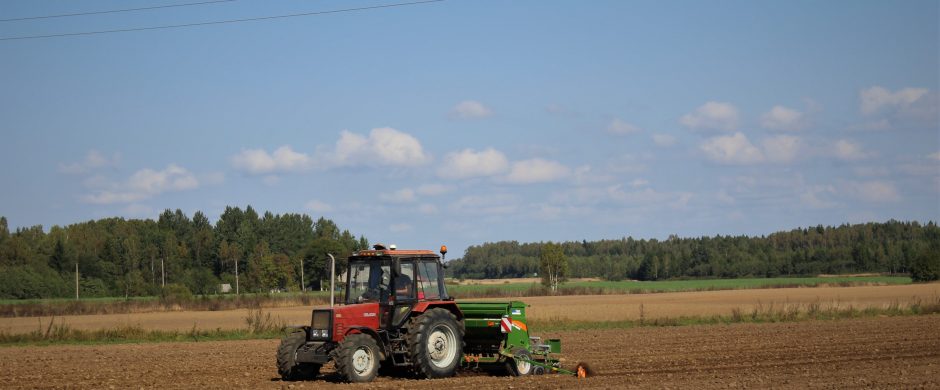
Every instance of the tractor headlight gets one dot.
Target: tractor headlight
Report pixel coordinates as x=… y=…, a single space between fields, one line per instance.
x=314 y=333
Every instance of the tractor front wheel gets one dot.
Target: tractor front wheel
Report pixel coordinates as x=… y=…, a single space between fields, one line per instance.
x=357 y=358
x=435 y=343
x=287 y=365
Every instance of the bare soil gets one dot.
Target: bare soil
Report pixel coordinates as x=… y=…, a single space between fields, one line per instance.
x=571 y=307
x=889 y=352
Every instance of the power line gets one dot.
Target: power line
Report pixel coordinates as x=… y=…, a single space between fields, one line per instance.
x=114 y=11
x=222 y=21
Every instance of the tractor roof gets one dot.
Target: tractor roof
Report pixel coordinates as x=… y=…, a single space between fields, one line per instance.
x=395 y=253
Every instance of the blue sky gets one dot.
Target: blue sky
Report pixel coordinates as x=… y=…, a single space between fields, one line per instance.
x=462 y=122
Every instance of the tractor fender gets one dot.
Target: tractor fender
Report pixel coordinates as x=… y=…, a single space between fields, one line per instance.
x=451 y=306
x=383 y=346
x=305 y=328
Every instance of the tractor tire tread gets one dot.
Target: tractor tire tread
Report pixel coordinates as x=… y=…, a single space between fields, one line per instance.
x=342 y=358
x=417 y=346
x=287 y=366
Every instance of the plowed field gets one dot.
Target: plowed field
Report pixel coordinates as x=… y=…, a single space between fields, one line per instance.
x=889 y=352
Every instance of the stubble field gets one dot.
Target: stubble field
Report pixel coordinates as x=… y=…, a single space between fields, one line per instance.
x=542 y=309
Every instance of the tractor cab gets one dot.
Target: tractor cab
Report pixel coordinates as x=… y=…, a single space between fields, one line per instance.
x=393 y=276
x=395 y=279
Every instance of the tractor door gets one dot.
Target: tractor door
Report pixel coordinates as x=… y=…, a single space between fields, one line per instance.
x=404 y=289
x=429 y=284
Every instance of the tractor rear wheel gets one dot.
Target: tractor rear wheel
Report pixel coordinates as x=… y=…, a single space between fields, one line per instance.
x=357 y=358
x=287 y=365
x=519 y=365
x=435 y=343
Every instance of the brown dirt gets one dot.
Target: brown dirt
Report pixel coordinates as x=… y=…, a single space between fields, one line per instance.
x=889 y=352
x=573 y=307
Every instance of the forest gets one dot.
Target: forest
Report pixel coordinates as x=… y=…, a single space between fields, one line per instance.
x=127 y=258
x=118 y=257
x=892 y=247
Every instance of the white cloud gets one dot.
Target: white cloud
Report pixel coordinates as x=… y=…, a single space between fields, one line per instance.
x=732 y=149
x=93 y=160
x=648 y=197
x=584 y=174
x=816 y=197
x=469 y=163
x=724 y=197
x=849 y=151
x=876 y=99
x=664 y=139
x=871 y=171
x=434 y=189
x=145 y=184
x=536 y=170
x=271 y=180
x=470 y=109
x=318 y=206
x=620 y=127
x=409 y=195
x=782 y=148
x=872 y=191
x=637 y=183
x=173 y=178
x=404 y=195
x=934 y=156
x=712 y=115
x=878 y=125
x=384 y=146
x=259 y=161
x=783 y=118
x=488 y=204
x=628 y=164
x=212 y=178
x=427 y=208
x=112 y=197
x=919 y=169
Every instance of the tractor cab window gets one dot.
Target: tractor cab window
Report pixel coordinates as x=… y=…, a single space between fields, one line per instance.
x=404 y=283
x=368 y=282
x=428 y=281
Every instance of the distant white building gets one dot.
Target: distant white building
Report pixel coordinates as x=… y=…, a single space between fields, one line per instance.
x=225 y=288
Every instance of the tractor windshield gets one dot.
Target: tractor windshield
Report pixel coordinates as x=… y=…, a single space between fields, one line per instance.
x=368 y=282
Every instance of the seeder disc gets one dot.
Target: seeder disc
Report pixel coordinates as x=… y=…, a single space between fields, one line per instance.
x=583 y=370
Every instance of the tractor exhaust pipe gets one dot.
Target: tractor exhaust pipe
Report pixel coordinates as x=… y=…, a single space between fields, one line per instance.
x=332 y=278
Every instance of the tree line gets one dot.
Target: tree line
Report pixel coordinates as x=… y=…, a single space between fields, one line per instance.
x=141 y=257
x=890 y=247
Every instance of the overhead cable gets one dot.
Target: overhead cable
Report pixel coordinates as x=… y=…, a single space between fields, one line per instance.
x=220 y=21
x=113 y=11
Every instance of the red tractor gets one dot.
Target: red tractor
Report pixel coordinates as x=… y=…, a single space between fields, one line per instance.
x=397 y=314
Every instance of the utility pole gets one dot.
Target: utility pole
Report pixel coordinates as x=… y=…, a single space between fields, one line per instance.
x=162 y=274
x=303 y=287
x=236 y=277
x=76 y=280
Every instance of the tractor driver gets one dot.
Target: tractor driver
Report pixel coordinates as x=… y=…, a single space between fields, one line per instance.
x=403 y=287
